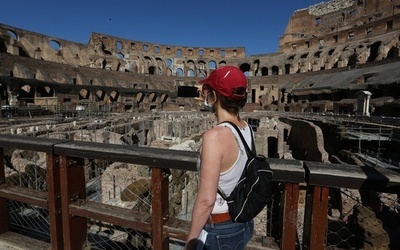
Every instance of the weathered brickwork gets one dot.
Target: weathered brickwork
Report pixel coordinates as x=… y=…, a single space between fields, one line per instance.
x=321 y=43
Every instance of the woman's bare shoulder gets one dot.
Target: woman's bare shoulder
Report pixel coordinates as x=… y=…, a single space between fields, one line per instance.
x=217 y=131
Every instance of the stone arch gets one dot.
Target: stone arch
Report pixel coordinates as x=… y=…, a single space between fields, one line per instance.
x=291 y=57
x=264 y=71
x=201 y=65
x=190 y=72
x=140 y=97
x=45 y=91
x=152 y=97
x=190 y=68
x=222 y=63
x=287 y=68
x=26 y=94
x=13 y=35
x=55 y=45
x=374 y=51
x=393 y=52
x=159 y=62
x=202 y=73
x=190 y=63
x=149 y=63
x=152 y=70
x=275 y=70
x=84 y=94
x=169 y=63
x=163 y=97
x=245 y=68
x=179 y=72
x=352 y=61
x=212 y=64
x=99 y=94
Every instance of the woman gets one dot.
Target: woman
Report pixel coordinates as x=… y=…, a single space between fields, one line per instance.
x=221 y=162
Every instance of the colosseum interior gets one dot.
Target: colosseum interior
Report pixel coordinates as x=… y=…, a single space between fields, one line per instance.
x=336 y=73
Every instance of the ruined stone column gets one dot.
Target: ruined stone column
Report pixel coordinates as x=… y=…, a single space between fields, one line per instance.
x=368 y=97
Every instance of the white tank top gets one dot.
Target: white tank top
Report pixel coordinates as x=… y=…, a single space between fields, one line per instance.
x=229 y=178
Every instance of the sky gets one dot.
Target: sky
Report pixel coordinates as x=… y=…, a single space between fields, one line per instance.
x=255 y=25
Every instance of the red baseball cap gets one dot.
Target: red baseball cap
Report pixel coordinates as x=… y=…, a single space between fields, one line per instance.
x=228 y=81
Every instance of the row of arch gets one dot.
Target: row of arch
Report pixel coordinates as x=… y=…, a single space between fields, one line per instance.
x=344 y=56
x=26 y=93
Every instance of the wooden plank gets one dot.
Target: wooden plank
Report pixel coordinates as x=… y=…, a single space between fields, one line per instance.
x=119 y=216
x=353 y=177
x=161 y=157
x=10 y=240
x=54 y=198
x=160 y=204
x=72 y=188
x=26 y=195
x=291 y=199
x=319 y=217
x=29 y=142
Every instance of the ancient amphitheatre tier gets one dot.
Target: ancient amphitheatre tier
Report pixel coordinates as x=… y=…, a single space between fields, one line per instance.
x=329 y=54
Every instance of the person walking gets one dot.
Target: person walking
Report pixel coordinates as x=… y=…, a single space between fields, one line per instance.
x=221 y=162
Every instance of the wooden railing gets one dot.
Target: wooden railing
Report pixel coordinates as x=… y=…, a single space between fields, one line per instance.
x=69 y=211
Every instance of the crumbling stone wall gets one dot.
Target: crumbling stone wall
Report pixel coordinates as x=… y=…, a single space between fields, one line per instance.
x=306 y=141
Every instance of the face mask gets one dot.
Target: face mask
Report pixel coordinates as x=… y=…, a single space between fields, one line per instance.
x=209 y=100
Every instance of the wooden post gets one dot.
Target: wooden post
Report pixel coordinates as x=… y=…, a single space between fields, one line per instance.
x=54 y=201
x=291 y=199
x=3 y=202
x=319 y=218
x=160 y=205
x=72 y=189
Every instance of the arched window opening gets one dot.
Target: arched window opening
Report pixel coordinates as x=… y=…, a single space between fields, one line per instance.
x=152 y=70
x=202 y=73
x=393 y=53
x=374 y=51
x=12 y=34
x=179 y=72
x=169 y=63
x=190 y=73
x=119 y=46
x=264 y=71
x=275 y=70
x=212 y=65
x=287 y=69
x=55 y=45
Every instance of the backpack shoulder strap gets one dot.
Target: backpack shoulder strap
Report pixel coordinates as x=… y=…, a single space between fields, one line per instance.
x=249 y=152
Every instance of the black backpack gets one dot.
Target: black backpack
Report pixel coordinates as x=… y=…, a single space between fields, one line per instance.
x=254 y=188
